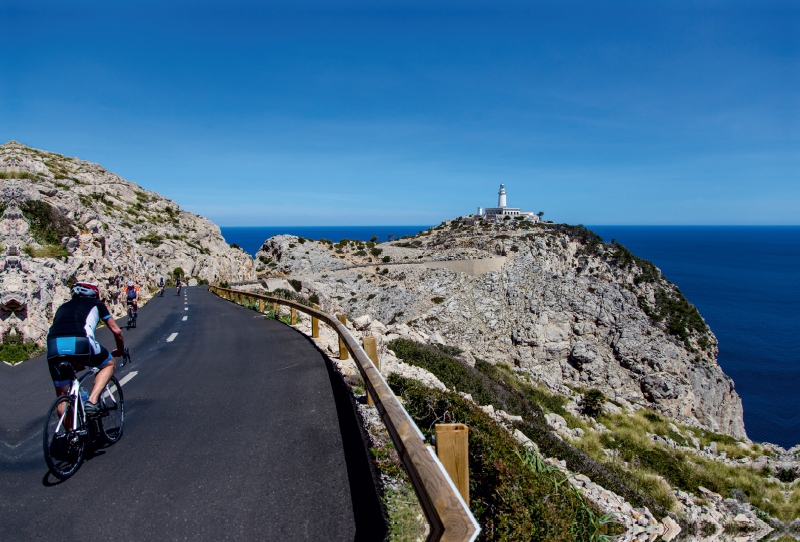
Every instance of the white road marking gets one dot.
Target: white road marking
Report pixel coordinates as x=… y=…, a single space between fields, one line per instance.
x=171 y=337
x=186 y=308
x=128 y=377
x=184 y=318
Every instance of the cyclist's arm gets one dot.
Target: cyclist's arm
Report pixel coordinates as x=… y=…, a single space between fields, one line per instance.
x=114 y=328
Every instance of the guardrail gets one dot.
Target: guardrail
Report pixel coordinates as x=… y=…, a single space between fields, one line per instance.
x=448 y=515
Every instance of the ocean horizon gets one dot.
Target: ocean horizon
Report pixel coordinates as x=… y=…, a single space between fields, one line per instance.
x=744 y=280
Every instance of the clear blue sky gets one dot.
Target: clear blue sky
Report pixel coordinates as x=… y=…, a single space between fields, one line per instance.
x=401 y=113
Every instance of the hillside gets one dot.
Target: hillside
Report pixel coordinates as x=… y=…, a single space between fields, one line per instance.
x=64 y=219
x=553 y=301
x=593 y=364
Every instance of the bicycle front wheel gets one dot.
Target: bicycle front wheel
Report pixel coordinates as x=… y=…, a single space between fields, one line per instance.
x=63 y=446
x=112 y=411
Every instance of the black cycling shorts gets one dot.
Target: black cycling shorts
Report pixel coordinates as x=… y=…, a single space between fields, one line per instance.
x=74 y=350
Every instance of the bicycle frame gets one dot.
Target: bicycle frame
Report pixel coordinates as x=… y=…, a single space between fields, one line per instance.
x=74 y=393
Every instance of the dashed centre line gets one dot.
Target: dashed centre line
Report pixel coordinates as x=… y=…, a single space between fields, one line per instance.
x=127 y=378
x=171 y=337
x=184 y=318
x=186 y=308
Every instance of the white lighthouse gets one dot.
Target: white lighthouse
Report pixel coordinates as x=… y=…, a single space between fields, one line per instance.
x=503 y=211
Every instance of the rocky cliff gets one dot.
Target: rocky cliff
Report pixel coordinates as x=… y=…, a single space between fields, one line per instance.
x=552 y=300
x=63 y=219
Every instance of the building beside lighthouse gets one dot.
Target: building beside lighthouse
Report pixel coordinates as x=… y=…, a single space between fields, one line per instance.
x=503 y=210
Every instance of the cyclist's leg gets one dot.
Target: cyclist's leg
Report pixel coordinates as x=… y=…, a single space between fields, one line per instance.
x=61 y=382
x=106 y=363
x=100 y=381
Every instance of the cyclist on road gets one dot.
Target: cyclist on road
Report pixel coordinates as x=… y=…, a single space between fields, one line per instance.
x=71 y=338
x=131 y=292
x=178 y=284
x=161 y=285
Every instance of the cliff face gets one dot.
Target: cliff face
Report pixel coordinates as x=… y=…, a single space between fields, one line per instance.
x=553 y=300
x=63 y=219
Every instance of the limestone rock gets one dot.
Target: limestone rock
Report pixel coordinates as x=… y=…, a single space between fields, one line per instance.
x=557 y=309
x=63 y=219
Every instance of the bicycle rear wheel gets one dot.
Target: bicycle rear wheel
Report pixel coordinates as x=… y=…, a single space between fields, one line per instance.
x=113 y=411
x=63 y=447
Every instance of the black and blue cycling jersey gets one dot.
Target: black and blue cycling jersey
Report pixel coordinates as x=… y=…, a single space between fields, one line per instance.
x=71 y=337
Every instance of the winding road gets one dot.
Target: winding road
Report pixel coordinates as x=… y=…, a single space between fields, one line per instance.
x=236 y=428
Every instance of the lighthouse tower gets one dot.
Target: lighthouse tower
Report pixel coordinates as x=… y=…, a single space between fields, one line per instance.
x=501 y=197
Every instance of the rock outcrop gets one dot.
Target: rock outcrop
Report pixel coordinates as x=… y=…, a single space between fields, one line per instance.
x=562 y=305
x=63 y=219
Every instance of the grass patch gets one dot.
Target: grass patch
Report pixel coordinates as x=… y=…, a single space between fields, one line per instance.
x=645 y=460
x=47 y=251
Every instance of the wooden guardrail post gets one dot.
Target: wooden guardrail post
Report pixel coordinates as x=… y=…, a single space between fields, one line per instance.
x=275 y=309
x=452 y=447
x=315 y=325
x=294 y=316
x=371 y=349
x=343 y=353
x=260 y=305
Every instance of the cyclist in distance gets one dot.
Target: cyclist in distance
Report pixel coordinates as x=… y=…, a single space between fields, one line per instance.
x=178 y=284
x=131 y=292
x=161 y=285
x=71 y=338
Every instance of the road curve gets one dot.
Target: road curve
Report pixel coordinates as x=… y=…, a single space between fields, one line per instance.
x=237 y=428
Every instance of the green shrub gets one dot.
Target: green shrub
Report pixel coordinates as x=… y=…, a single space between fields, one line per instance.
x=511 y=499
x=234 y=245
x=496 y=385
x=386 y=259
x=592 y=403
x=296 y=284
x=376 y=251
x=438 y=300
x=314 y=298
x=680 y=317
x=360 y=253
x=151 y=238
x=177 y=273
x=291 y=296
x=48 y=225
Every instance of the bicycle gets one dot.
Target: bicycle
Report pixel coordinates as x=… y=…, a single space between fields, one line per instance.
x=67 y=429
x=131 y=316
x=161 y=291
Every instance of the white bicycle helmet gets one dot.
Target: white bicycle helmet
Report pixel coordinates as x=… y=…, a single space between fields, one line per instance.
x=131 y=284
x=85 y=289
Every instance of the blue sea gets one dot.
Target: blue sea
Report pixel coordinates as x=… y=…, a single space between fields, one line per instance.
x=251 y=239
x=744 y=280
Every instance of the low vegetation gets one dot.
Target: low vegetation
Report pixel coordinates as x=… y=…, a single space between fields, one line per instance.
x=513 y=495
x=13 y=350
x=626 y=459
x=498 y=386
x=48 y=225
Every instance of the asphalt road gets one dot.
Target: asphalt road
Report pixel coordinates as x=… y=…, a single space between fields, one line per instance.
x=236 y=429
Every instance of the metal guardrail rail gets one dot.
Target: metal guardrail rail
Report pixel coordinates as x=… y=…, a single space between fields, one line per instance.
x=448 y=515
